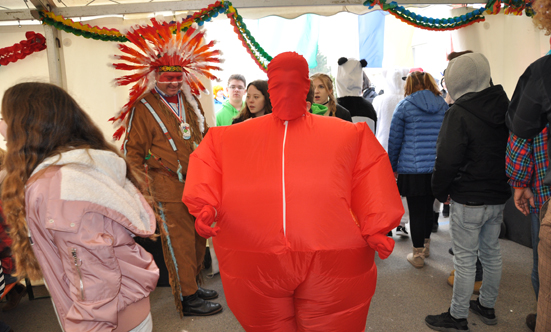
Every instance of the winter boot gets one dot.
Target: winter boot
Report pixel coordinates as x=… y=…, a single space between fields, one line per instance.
x=426 y=252
x=417 y=258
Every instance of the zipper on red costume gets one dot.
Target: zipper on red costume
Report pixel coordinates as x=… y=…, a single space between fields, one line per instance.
x=283 y=180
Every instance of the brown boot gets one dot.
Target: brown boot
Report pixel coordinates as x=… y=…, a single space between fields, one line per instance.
x=417 y=258
x=14 y=296
x=427 y=248
x=477 y=284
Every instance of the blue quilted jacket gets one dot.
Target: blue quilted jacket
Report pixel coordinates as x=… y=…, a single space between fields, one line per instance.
x=413 y=132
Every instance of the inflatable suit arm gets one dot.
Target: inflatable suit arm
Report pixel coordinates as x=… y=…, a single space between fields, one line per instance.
x=375 y=198
x=203 y=185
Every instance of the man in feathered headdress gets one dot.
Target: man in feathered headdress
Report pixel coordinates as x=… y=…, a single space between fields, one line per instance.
x=165 y=123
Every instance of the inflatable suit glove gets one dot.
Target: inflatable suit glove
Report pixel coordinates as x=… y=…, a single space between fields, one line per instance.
x=204 y=220
x=381 y=243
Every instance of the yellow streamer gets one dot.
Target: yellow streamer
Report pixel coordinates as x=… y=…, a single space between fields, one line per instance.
x=82 y=27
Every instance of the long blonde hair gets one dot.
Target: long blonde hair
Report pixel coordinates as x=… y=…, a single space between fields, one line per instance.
x=328 y=84
x=418 y=80
x=43 y=121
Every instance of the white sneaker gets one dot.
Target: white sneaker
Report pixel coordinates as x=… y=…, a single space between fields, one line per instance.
x=401 y=231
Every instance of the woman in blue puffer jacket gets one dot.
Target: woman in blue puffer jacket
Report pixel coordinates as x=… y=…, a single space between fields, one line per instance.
x=412 y=151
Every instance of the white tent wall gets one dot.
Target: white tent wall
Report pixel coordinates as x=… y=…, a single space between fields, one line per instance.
x=90 y=78
x=236 y=58
x=510 y=43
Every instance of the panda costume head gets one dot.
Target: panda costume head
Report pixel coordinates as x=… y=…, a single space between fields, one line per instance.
x=350 y=77
x=349 y=92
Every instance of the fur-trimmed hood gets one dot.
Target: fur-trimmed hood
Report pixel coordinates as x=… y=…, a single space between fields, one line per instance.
x=99 y=177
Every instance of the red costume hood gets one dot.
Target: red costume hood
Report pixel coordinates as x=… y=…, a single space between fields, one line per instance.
x=288 y=85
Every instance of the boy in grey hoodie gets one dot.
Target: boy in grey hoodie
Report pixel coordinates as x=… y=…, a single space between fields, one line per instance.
x=470 y=169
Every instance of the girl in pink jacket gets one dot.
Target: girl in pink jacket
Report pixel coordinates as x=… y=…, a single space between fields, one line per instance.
x=73 y=207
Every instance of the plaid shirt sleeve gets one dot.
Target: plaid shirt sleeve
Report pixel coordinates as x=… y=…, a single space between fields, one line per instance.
x=519 y=163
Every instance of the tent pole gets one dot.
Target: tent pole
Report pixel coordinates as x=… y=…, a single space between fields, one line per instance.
x=56 y=63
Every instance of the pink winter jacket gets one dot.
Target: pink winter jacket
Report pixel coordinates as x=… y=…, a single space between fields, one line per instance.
x=82 y=215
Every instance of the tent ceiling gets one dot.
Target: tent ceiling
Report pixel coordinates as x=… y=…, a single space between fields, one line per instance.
x=21 y=9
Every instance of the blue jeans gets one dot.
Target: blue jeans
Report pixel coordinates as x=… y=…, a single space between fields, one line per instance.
x=535 y=242
x=475 y=232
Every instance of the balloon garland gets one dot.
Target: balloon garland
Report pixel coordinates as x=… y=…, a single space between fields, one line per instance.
x=514 y=7
x=79 y=29
x=35 y=42
x=200 y=17
x=257 y=53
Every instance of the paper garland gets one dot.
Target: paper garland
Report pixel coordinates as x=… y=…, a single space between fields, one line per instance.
x=35 y=42
x=514 y=7
x=200 y=17
x=257 y=53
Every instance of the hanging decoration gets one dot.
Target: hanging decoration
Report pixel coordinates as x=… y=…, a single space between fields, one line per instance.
x=514 y=7
x=256 y=52
x=35 y=42
x=259 y=55
x=200 y=17
x=79 y=29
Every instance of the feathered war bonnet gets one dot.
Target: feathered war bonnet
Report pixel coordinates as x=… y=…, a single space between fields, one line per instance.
x=164 y=47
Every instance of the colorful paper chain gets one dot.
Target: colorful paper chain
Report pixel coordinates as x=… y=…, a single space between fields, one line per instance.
x=260 y=56
x=257 y=53
x=79 y=29
x=200 y=17
x=35 y=42
x=514 y=7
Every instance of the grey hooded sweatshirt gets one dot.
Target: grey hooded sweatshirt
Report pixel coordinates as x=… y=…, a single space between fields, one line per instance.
x=470 y=156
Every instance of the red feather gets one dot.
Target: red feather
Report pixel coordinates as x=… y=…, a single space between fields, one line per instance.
x=156 y=45
x=118 y=134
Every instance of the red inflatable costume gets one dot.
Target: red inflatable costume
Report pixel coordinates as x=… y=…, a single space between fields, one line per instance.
x=301 y=202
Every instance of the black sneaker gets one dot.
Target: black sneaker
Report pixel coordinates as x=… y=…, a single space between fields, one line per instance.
x=401 y=231
x=389 y=234
x=487 y=315
x=446 y=323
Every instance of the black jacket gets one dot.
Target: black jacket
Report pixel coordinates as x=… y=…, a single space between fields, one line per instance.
x=358 y=106
x=530 y=108
x=343 y=113
x=470 y=151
